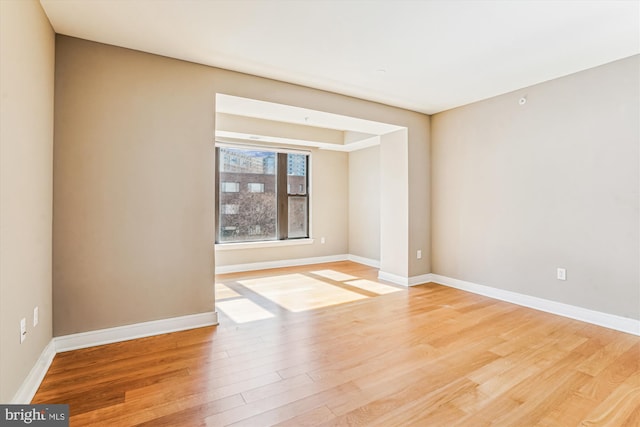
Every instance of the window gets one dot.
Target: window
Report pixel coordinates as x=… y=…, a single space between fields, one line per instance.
x=262 y=195
x=229 y=209
x=229 y=187
x=255 y=187
x=298 y=201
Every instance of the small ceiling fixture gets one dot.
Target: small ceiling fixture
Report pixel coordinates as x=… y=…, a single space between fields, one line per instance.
x=522 y=100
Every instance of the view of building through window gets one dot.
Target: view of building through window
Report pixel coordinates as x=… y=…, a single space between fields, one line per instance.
x=297 y=195
x=248 y=195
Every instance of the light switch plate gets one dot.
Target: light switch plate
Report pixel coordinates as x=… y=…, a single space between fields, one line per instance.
x=23 y=330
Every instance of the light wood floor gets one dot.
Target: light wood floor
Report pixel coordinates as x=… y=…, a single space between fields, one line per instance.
x=350 y=350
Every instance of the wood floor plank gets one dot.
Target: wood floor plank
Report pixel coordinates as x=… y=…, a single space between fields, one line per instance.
x=313 y=417
x=612 y=376
x=602 y=358
x=428 y=355
x=618 y=406
x=634 y=419
x=425 y=409
x=569 y=411
x=285 y=405
x=184 y=411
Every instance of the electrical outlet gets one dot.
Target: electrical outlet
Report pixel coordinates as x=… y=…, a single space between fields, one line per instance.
x=35 y=316
x=561 y=274
x=322 y=240
x=23 y=330
x=419 y=254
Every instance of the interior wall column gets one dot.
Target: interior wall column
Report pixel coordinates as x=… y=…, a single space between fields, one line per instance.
x=394 y=208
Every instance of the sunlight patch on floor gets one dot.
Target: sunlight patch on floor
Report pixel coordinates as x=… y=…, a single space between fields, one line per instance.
x=371 y=286
x=297 y=292
x=224 y=292
x=334 y=275
x=242 y=310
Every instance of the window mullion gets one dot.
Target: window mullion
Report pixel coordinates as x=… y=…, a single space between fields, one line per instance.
x=283 y=197
x=217 y=195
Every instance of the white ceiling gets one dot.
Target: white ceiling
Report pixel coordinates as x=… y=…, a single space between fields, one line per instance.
x=426 y=56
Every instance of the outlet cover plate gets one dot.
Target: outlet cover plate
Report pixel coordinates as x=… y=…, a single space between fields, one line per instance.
x=561 y=274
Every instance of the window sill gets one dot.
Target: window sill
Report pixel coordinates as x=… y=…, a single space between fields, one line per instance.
x=265 y=244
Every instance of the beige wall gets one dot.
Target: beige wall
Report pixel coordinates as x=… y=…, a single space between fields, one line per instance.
x=26 y=141
x=364 y=203
x=133 y=177
x=133 y=196
x=419 y=210
x=521 y=190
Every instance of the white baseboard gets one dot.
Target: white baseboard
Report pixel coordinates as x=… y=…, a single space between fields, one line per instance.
x=236 y=268
x=405 y=281
x=611 y=321
x=420 y=280
x=30 y=385
x=136 y=330
x=393 y=278
x=366 y=261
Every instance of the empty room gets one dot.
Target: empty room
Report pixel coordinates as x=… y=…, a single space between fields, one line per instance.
x=314 y=212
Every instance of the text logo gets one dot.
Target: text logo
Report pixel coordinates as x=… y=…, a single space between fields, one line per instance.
x=34 y=415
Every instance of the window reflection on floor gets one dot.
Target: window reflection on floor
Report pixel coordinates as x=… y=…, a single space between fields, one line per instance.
x=334 y=275
x=242 y=310
x=258 y=298
x=371 y=286
x=223 y=292
x=297 y=292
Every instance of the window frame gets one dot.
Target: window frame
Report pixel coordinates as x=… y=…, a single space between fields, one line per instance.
x=282 y=198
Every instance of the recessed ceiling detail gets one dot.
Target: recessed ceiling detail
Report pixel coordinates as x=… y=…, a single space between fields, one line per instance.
x=354 y=133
